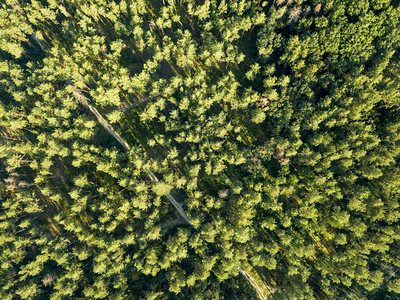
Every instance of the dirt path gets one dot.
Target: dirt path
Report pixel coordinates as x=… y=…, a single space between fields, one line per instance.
x=103 y=122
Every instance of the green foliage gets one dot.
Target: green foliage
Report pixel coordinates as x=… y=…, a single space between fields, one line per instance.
x=273 y=125
x=162 y=188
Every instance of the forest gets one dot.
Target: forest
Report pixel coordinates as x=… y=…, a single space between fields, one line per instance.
x=200 y=149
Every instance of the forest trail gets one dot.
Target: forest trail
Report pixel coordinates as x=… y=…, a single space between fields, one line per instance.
x=103 y=122
x=85 y=102
x=134 y=104
x=252 y=281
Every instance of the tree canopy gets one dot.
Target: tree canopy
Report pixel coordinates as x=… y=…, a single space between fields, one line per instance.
x=199 y=149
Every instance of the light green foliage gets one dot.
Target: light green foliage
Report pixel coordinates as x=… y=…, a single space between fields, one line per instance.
x=162 y=188
x=258 y=116
x=274 y=125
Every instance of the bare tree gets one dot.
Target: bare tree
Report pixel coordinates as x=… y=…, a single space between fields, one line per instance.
x=294 y=14
x=223 y=193
x=48 y=280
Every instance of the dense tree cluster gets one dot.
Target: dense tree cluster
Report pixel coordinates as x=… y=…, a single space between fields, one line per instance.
x=246 y=149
